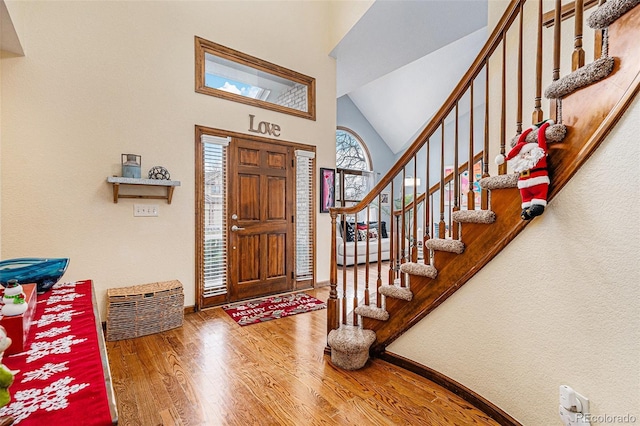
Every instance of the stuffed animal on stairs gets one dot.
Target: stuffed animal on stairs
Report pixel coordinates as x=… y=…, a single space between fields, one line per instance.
x=530 y=161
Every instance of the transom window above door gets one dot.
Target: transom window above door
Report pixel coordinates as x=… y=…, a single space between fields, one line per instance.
x=233 y=75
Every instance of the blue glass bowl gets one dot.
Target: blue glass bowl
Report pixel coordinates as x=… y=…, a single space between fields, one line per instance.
x=43 y=272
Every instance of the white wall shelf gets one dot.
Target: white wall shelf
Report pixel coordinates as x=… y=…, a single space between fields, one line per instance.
x=116 y=181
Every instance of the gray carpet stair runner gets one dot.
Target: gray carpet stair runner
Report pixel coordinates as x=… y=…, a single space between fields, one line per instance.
x=582 y=77
x=397 y=292
x=450 y=245
x=608 y=12
x=490 y=183
x=372 y=311
x=416 y=269
x=445 y=244
x=474 y=216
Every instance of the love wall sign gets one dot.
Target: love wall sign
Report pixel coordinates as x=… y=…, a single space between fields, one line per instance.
x=263 y=127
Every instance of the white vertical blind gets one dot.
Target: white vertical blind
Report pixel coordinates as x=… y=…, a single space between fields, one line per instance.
x=305 y=166
x=215 y=215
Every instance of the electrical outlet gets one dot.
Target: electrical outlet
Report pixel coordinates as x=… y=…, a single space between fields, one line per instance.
x=573 y=408
x=145 y=210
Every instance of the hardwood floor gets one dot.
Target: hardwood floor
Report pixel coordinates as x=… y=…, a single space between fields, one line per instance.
x=213 y=372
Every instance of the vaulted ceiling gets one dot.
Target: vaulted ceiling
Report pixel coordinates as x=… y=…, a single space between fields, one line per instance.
x=402 y=58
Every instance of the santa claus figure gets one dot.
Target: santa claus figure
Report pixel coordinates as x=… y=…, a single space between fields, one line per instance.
x=530 y=160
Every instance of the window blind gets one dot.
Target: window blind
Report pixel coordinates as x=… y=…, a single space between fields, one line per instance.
x=305 y=166
x=215 y=215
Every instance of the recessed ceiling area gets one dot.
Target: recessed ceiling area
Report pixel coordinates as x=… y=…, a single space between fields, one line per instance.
x=402 y=58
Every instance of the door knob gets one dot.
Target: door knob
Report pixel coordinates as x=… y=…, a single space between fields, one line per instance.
x=234 y=216
x=235 y=228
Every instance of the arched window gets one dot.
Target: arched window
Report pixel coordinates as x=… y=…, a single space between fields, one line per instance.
x=354 y=166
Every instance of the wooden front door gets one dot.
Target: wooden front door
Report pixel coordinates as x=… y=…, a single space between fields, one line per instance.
x=261 y=184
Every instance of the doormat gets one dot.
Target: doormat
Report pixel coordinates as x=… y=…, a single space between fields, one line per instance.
x=275 y=307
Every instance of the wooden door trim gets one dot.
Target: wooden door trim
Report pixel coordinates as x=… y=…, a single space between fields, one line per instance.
x=202 y=130
x=199 y=201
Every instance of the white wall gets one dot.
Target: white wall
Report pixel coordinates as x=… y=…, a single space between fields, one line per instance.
x=104 y=78
x=559 y=305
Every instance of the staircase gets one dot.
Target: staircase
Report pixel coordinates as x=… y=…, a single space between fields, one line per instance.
x=466 y=228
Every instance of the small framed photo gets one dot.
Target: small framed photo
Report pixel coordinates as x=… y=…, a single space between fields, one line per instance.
x=327 y=189
x=384 y=199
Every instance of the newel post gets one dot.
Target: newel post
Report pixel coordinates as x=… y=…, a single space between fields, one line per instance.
x=333 y=317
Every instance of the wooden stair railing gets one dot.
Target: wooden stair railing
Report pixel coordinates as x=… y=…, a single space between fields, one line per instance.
x=477 y=159
x=589 y=114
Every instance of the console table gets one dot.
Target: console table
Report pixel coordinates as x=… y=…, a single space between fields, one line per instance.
x=64 y=375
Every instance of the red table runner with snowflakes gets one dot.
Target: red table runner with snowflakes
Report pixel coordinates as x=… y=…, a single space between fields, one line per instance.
x=61 y=378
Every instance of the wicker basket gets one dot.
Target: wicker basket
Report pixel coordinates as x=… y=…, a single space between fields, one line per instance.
x=144 y=309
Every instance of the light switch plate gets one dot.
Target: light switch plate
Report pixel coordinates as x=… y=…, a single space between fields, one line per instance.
x=145 y=210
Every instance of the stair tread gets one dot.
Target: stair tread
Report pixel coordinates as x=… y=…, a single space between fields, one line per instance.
x=490 y=183
x=474 y=216
x=421 y=269
x=582 y=77
x=372 y=311
x=553 y=133
x=445 y=244
x=396 y=292
x=609 y=12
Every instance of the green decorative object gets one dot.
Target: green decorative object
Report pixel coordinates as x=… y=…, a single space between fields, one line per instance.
x=6 y=375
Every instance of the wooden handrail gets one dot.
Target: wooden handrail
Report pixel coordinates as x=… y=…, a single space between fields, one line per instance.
x=478 y=64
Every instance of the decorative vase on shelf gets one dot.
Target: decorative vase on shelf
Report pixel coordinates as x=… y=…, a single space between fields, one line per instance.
x=131 y=165
x=14 y=300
